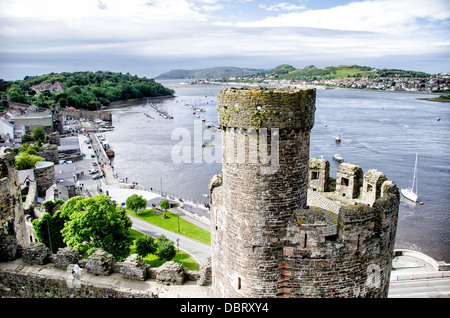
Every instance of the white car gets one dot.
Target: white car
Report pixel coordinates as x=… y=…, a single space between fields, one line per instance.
x=92 y=171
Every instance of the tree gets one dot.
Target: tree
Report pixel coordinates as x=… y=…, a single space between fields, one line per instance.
x=165 y=205
x=166 y=249
x=39 y=133
x=48 y=230
x=145 y=245
x=136 y=203
x=26 y=161
x=97 y=223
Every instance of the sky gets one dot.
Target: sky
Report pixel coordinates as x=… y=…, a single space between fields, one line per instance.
x=150 y=37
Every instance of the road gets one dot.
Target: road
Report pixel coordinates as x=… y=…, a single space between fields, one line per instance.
x=420 y=288
x=199 y=251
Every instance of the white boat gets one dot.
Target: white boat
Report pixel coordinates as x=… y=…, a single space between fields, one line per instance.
x=338 y=138
x=411 y=193
x=338 y=157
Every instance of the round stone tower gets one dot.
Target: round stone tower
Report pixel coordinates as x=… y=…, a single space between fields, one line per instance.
x=264 y=179
x=44 y=173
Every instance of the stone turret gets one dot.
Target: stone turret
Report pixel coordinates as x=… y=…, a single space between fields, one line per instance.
x=265 y=136
x=44 y=173
x=266 y=240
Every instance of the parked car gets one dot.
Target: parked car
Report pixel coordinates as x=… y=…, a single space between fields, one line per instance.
x=97 y=176
x=92 y=171
x=94 y=163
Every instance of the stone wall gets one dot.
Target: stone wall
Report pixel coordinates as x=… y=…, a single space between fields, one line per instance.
x=13 y=234
x=92 y=115
x=39 y=273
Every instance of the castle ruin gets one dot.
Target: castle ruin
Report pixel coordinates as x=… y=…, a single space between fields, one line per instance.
x=280 y=225
x=292 y=231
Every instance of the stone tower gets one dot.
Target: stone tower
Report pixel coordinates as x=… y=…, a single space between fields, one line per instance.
x=265 y=141
x=272 y=236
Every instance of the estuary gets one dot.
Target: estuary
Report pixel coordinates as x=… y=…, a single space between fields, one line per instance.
x=379 y=130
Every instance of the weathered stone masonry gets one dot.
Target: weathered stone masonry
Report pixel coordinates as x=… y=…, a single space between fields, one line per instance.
x=266 y=241
x=13 y=234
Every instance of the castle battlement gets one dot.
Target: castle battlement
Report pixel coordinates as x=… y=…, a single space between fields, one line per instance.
x=292 y=231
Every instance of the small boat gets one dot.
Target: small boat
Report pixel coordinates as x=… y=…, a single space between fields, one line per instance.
x=411 y=193
x=338 y=157
x=338 y=138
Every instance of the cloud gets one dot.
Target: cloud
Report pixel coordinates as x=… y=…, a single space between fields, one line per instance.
x=373 y=16
x=129 y=33
x=282 y=7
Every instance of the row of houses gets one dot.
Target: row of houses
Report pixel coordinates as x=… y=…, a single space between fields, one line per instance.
x=52 y=88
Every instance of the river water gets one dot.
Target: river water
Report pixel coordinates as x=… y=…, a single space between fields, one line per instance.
x=380 y=130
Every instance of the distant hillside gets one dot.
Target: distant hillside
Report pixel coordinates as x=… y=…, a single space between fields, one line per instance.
x=211 y=73
x=288 y=72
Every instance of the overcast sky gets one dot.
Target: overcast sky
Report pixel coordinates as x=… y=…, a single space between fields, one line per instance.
x=149 y=37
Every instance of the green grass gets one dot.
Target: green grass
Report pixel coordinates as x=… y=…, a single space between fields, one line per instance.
x=171 y=224
x=153 y=260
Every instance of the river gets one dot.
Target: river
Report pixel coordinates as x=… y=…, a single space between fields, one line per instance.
x=380 y=130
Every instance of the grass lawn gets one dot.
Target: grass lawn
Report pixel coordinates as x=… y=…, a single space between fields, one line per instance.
x=153 y=260
x=171 y=224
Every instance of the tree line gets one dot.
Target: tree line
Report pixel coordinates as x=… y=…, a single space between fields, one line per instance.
x=85 y=90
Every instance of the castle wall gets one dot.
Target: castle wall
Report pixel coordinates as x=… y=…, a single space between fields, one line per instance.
x=266 y=242
x=13 y=234
x=92 y=115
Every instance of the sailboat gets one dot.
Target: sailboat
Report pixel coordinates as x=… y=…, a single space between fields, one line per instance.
x=411 y=193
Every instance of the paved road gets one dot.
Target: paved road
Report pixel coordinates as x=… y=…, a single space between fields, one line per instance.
x=420 y=288
x=199 y=251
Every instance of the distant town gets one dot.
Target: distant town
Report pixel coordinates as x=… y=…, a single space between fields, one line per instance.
x=343 y=76
x=433 y=84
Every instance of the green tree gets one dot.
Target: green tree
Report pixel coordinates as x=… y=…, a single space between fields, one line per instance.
x=27 y=138
x=39 y=133
x=146 y=245
x=97 y=223
x=166 y=249
x=26 y=161
x=136 y=203
x=165 y=205
x=48 y=230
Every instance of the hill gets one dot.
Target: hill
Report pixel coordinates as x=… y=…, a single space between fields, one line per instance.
x=87 y=90
x=211 y=73
x=288 y=72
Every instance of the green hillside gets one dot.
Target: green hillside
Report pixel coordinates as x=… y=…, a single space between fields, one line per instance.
x=87 y=90
x=288 y=72
x=211 y=73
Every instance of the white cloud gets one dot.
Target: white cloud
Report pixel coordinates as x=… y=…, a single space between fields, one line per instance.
x=146 y=30
x=388 y=16
x=284 y=6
